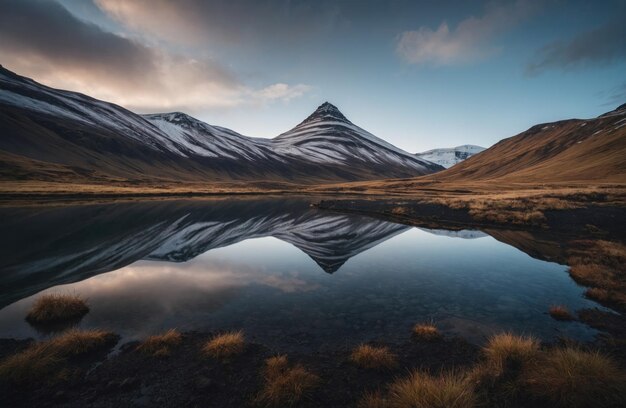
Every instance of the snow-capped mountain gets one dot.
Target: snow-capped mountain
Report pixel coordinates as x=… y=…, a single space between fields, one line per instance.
x=202 y=139
x=32 y=97
x=448 y=157
x=328 y=136
x=51 y=134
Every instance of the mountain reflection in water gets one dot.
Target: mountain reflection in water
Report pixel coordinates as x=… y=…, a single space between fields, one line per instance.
x=222 y=264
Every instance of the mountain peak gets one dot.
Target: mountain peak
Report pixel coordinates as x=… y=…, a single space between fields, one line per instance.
x=327 y=106
x=326 y=111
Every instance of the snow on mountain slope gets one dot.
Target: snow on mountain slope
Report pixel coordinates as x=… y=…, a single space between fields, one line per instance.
x=325 y=138
x=27 y=94
x=211 y=141
x=330 y=240
x=328 y=136
x=448 y=157
x=101 y=140
x=118 y=235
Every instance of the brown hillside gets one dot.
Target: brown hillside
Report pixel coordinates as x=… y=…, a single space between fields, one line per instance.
x=564 y=151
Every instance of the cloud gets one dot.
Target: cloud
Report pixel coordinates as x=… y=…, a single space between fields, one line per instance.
x=42 y=39
x=602 y=45
x=615 y=96
x=471 y=40
x=46 y=31
x=281 y=92
x=201 y=22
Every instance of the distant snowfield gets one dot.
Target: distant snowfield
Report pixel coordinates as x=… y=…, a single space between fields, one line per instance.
x=450 y=156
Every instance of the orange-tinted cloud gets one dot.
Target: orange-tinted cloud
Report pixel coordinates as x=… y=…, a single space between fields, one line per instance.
x=201 y=22
x=45 y=41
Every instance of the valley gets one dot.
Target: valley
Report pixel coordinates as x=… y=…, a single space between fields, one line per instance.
x=200 y=258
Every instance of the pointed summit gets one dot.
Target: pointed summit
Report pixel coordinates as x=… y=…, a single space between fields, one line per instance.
x=326 y=111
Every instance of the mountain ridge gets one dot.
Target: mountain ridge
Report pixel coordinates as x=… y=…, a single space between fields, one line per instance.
x=50 y=133
x=563 y=151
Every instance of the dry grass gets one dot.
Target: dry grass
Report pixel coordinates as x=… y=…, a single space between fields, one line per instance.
x=426 y=332
x=38 y=362
x=225 y=345
x=506 y=355
x=399 y=210
x=560 y=312
x=284 y=385
x=599 y=264
x=75 y=342
x=570 y=377
x=276 y=365
x=373 y=400
x=45 y=361
x=567 y=377
x=506 y=349
x=52 y=308
x=516 y=217
x=161 y=345
x=421 y=390
x=374 y=357
x=591 y=275
x=607 y=297
x=511 y=208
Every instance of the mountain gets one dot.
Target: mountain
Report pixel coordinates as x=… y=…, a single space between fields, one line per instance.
x=564 y=151
x=204 y=140
x=448 y=157
x=119 y=234
x=328 y=136
x=50 y=134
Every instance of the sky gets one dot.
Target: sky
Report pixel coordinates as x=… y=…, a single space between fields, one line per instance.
x=419 y=74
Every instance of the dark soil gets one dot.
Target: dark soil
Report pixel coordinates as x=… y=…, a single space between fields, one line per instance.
x=186 y=378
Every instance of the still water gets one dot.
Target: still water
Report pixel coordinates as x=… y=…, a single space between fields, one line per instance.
x=290 y=276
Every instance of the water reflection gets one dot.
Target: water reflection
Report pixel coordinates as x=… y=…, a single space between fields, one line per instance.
x=42 y=247
x=255 y=265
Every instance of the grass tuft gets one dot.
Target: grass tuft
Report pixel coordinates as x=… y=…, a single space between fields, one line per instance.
x=285 y=385
x=373 y=357
x=506 y=349
x=44 y=361
x=421 y=390
x=54 y=308
x=373 y=400
x=570 y=377
x=225 y=345
x=426 y=332
x=274 y=366
x=560 y=312
x=75 y=342
x=38 y=362
x=161 y=345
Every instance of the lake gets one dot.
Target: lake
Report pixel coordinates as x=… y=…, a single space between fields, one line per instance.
x=291 y=276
